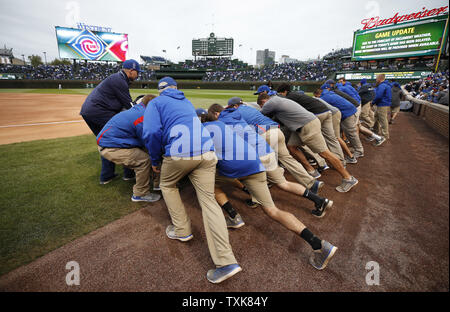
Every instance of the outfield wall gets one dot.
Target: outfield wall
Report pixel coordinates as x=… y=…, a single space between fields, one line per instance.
x=435 y=115
x=307 y=86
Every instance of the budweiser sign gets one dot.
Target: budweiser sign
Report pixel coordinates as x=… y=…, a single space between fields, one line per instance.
x=377 y=21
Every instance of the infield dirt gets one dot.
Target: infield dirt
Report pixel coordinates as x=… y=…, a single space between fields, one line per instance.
x=23 y=117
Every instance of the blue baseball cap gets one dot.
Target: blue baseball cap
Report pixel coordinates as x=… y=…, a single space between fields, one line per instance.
x=363 y=81
x=325 y=86
x=235 y=101
x=132 y=64
x=330 y=82
x=166 y=82
x=201 y=111
x=262 y=89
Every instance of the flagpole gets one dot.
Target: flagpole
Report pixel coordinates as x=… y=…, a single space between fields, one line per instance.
x=442 y=44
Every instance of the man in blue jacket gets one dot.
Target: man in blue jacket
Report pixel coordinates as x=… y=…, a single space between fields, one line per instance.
x=347 y=88
x=348 y=119
x=120 y=141
x=110 y=97
x=383 y=101
x=176 y=140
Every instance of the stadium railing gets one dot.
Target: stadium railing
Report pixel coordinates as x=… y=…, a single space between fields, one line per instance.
x=435 y=115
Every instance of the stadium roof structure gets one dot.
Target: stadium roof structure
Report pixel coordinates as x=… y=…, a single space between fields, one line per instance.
x=6 y=52
x=154 y=59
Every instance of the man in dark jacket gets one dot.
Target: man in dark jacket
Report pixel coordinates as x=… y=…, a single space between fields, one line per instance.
x=397 y=96
x=367 y=93
x=110 y=97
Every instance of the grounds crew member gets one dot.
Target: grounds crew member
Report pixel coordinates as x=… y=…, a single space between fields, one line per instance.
x=397 y=96
x=120 y=141
x=275 y=174
x=321 y=111
x=305 y=128
x=347 y=88
x=110 y=97
x=383 y=100
x=250 y=171
x=270 y=131
x=367 y=94
x=176 y=140
x=336 y=117
x=265 y=89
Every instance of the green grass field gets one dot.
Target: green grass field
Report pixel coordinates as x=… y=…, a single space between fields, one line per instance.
x=50 y=193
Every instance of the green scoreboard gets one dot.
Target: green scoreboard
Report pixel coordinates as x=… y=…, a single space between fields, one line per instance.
x=423 y=37
x=212 y=46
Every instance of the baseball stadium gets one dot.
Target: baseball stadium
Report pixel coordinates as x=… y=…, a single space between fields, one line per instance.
x=93 y=198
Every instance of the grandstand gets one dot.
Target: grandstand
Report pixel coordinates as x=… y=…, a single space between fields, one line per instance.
x=154 y=60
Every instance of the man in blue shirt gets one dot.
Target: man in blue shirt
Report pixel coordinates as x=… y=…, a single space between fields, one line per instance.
x=120 y=141
x=110 y=97
x=176 y=140
x=383 y=101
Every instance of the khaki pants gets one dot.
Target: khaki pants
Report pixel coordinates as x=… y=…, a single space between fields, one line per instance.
x=381 y=121
x=275 y=174
x=395 y=109
x=349 y=127
x=326 y=121
x=310 y=154
x=337 y=123
x=202 y=174
x=367 y=115
x=311 y=140
x=358 y=114
x=310 y=135
x=257 y=186
x=133 y=158
x=275 y=138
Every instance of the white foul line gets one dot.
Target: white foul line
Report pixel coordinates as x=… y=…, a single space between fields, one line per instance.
x=42 y=123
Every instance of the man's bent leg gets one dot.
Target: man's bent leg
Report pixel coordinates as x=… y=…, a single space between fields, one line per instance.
x=202 y=178
x=172 y=170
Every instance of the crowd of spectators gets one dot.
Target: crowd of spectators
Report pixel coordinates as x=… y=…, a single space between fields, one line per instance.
x=301 y=71
x=227 y=69
x=224 y=63
x=434 y=88
x=78 y=71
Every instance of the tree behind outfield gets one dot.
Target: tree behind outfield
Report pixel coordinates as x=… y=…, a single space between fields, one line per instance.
x=35 y=60
x=60 y=62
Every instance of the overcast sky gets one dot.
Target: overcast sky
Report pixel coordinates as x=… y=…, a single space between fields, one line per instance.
x=298 y=28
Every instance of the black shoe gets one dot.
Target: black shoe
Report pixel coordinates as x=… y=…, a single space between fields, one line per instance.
x=251 y=203
x=322 y=169
x=319 y=212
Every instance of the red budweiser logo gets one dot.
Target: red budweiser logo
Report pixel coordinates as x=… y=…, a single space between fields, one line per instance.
x=376 y=21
